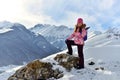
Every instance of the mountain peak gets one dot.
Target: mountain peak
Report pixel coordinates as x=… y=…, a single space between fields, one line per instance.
x=6 y=24
x=113 y=30
x=18 y=26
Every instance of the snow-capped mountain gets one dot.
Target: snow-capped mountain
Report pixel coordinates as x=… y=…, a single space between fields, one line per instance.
x=6 y=24
x=93 y=34
x=97 y=38
x=18 y=45
x=56 y=35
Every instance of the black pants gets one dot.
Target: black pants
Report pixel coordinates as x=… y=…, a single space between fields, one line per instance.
x=80 y=51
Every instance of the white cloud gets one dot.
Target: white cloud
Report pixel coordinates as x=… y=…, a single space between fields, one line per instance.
x=91 y=11
x=116 y=22
x=106 y=4
x=59 y=12
x=16 y=11
x=8 y=9
x=91 y=21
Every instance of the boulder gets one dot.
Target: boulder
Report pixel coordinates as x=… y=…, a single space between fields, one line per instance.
x=67 y=61
x=36 y=70
x=39 y=70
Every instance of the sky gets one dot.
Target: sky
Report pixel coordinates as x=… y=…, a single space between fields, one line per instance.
x=98 y=14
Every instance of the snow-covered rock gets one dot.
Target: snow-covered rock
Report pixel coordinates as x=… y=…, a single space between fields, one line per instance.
x=37 y=70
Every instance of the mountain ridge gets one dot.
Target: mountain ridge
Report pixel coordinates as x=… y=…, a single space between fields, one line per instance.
x=21 y=45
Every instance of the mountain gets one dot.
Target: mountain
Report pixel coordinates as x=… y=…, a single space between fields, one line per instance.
x=56 y=35
x=93 y=34
x=104 y=39
x=18 y=45
x=6 y=24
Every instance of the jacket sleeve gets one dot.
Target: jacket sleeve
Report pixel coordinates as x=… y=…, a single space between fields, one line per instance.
x=71 y=36
x=84 y=32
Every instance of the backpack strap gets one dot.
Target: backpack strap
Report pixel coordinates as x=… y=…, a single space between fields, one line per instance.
x=87 y=28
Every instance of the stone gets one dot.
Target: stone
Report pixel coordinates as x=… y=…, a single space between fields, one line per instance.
x=36 y=70
x=67 y=61
x=91 y=63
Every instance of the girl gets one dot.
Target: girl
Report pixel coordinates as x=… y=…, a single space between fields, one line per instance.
x=76 y=38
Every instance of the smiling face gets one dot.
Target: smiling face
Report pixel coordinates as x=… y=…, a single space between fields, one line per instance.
x=79 y=22
x=79 y=25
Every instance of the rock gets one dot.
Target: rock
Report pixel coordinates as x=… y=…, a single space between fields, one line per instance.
x=102 y=68
x=36 y=70
x=96 y=68
x=99 y=68
x=67 y=61
x=91 y=63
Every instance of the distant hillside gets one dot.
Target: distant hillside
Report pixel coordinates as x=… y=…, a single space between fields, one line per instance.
x=56 y=35
x=18 y=45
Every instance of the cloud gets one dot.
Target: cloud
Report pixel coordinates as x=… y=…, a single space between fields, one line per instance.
x=96 y=13
x=16 y=11
x=8 y=9
x=106 y=4
x=66 y=12
x=89 y=20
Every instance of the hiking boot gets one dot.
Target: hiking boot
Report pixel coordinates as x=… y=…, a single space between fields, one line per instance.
x=77 y=66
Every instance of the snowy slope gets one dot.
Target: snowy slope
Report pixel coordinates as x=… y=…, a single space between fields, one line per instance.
x=7 y=71
x=106 y=44
x=103 y=49
x=56 y=35
x=111 y=70
x=93 y=33
x=18 y=45
x=3 y=30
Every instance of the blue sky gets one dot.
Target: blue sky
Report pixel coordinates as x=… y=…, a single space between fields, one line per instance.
x=98 y=14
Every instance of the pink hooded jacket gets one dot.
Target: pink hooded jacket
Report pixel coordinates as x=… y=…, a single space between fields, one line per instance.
x=78 y=37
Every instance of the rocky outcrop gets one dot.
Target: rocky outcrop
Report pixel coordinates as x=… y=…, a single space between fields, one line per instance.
x=36 y=70
x=67 y=61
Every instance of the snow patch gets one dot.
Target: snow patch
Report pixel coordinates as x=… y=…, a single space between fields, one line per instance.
x=4 y=30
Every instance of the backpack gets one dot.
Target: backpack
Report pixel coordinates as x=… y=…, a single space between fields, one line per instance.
x=85 y=37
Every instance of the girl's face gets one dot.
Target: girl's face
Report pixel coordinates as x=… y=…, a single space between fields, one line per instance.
x=79 y=24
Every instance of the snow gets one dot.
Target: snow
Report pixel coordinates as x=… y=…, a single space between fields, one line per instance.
x=93 y=33
x=7 y=71
x=107 y=53
x=4 y=30
x=111 y=70
x=103 y=50
x=111 y=66
x=6 y=24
